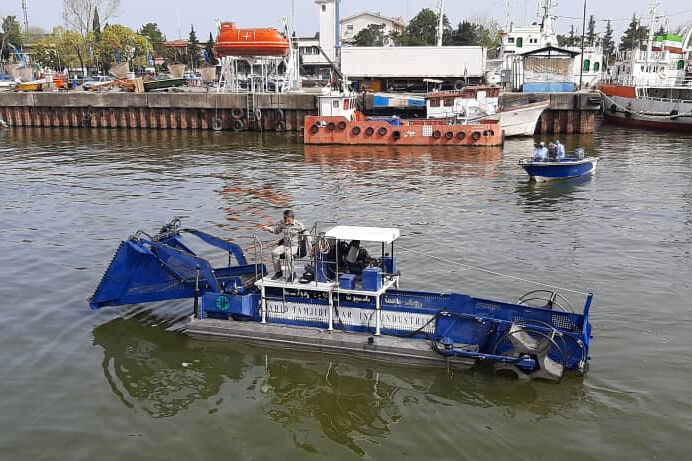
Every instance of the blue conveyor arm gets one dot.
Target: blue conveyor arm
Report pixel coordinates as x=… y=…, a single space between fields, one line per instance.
x=219 y=243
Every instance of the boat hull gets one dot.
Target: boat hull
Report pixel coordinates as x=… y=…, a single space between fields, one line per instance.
x=622 y=106
x=522 y=121
x=338 y=130
x=551 y=171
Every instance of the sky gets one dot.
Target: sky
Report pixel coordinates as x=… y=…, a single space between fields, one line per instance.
x=174 y=17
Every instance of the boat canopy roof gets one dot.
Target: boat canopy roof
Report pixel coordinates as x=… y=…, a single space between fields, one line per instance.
x=367 y=234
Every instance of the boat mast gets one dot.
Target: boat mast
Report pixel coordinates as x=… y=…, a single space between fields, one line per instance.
x=440 y=21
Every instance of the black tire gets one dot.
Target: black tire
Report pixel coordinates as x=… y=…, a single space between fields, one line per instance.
x=436 y=134
x=613 y=108
x=369 y=131
x=476 y=135
x=237 y=113
x=355 y=131
x=258 y=114
x=238 y=125
x=461 y=135
x=217 y=124
x=396 y=134
x=314 y=129
x=331 y=126
x=280 y=126
x=280 y=114
x=449 y=135
x=341 y=125
x=382 y=131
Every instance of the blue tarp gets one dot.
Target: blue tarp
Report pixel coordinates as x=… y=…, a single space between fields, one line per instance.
x=548 y=87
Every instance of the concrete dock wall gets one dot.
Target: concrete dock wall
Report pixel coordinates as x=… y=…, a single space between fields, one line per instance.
x=568 y=112
x=193 y=111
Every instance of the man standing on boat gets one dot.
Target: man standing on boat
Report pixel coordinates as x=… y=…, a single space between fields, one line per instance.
x=288 y=246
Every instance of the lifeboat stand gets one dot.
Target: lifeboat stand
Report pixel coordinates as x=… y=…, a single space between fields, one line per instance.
x=303 y=315
x=277 y=74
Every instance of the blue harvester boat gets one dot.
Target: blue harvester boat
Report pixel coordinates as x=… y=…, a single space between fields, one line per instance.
x=348 y=302
x=564 y=168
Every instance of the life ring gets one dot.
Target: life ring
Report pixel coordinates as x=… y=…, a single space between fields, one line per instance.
x=369 y=131
x=331 y=126
x=280 y=126
x=449 y=135
x=613 y=108
x=355 y=131
x=258 y=114
x=341 y=125
x=396 y=134
x=280 y=114
x=382 y=131
x=476 y=135
x=461 y=135
x=217 y=124
x=238 y=125
x=314 y=129
x=236 y=113
x=436 y=134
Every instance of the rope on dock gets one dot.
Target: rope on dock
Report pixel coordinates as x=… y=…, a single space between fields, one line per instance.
x=488 y=271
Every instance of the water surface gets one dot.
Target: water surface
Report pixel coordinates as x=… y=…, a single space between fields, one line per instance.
x=123 y=382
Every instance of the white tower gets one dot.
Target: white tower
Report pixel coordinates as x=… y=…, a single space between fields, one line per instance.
x=328 y=30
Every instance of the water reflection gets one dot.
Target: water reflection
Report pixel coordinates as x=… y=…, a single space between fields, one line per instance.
x=435 y=160
x=154 y=369
x=351 y=401
x=546 y=195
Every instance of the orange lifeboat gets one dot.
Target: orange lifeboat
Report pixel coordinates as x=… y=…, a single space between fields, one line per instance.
x=250 y=42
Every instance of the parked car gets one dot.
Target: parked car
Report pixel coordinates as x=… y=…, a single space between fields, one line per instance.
x=96 y=80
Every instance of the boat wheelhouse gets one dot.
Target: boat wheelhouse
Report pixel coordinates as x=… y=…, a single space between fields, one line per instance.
x=348 y=301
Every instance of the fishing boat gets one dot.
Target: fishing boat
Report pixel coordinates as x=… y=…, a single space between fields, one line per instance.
x=232 y=41
x=340 y=122
x=34 y=85
x=565 y=168
x=652 y=87
x=481 y=102
x=348 y=301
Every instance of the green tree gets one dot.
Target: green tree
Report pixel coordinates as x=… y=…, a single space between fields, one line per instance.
x=373 y=35
x=12 y=31
x=209 y=51
x=96 y=25
x=422 y=30
x=634 y=36
x=152 y=32
x=608 y=43
x=118 y=39
x=591 y=31
x=193 y=58
x=465 y=34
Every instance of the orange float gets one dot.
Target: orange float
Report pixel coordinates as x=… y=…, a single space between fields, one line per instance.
x=250 y=42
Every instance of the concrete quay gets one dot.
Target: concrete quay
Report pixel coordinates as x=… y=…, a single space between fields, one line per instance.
x=568 y=112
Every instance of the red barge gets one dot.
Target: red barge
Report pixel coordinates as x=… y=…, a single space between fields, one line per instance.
x=340 y=123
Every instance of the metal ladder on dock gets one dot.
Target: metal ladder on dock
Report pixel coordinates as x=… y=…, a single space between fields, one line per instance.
x=250 y=106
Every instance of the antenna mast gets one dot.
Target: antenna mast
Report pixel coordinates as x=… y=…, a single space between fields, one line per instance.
x=26 y=17
x=440 y=21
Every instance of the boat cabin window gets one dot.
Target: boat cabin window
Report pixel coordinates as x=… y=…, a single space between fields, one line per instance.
x=335 y=104
x=324 y=8
x=434 y=103
x=449 y=102
x=346 y=103
x=510 y=40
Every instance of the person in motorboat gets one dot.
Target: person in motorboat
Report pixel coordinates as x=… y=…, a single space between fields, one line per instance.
x=560 y=150
x=552 y=152
x=289 y=244
x=541 y=153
